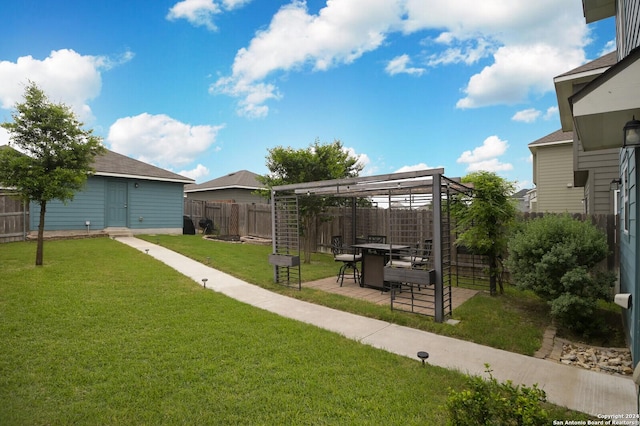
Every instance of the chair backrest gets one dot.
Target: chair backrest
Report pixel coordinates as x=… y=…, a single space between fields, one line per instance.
x=426 y=248
x=336 y=244
x=378 y=239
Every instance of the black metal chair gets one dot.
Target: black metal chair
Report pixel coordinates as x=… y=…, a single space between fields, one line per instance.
x=347 y=256
x=377 y=239
x=416 y=258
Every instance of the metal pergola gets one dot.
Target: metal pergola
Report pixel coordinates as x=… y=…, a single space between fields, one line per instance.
x=406 y=196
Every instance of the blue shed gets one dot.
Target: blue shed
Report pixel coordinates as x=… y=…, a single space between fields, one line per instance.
x=123 y=196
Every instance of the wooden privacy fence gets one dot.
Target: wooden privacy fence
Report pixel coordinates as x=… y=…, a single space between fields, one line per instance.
x=255 y=220
x=237 y=219
x=14 y=218
x=372 y=221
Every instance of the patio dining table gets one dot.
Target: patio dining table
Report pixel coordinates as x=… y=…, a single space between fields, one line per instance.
x=374 y=257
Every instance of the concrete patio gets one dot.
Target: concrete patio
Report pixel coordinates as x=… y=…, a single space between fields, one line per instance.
x=352 y=289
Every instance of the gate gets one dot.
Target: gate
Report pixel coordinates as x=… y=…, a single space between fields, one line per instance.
x=14 y=218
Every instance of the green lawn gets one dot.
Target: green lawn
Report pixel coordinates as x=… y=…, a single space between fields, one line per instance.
x=514 y=322
x=103 y=334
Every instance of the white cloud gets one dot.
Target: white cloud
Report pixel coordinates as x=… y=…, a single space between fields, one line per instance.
x=363 y=159
x=160 y=139
x=201 y=12
x=195 y=174
x=492 y=146
x=485 y=157
x=4 y=137
x=517 y=72
x=529 y=115
x=466 y=51
x=552 y=112
x=525 y=184
x=491 y=165
x=609 y=47
x=527 y=44
x=339 y=34
x=413 y=168
x=65 y=76
x=399 y=65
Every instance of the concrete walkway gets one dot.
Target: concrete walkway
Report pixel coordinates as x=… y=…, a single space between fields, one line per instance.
x=582 y=390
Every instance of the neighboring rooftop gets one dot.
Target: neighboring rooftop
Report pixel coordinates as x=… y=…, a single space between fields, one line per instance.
x=521 y=193
x=242 y=179
x=602 y=62
x=553 y=138
x=566 y=84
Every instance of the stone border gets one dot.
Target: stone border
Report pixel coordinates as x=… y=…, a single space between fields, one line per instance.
x=606 y=360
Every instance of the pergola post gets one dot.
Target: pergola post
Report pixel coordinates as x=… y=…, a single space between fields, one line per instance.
x=274 y=234
x=437 y=247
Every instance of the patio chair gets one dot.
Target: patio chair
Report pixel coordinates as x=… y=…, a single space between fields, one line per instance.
x=377 y=239
x=416 y=258
x=347 y=256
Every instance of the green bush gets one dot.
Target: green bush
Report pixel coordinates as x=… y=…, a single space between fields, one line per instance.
x=489 y=402
x=556 y=257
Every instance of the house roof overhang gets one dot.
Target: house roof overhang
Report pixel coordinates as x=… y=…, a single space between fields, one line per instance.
x=144 y=177
x=602 y=108
x=595 y=10
x=565 y=85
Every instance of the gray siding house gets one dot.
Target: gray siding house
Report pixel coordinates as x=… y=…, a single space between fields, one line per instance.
x=598 y=113
x=553 y=175
x=124 y=196
x=237 y=187
x=592 y=170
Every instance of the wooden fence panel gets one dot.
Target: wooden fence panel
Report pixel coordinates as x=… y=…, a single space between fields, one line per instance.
x=14 y=219
x=255 y=220
x=237 y=219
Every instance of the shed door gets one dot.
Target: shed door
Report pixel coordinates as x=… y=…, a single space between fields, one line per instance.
x=116 y=203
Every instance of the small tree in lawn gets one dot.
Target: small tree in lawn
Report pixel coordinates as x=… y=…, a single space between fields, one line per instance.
x=314 y=163
x=53 y=157
x=484 y=219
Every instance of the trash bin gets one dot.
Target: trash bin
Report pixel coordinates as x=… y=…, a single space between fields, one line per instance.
x=187 y=226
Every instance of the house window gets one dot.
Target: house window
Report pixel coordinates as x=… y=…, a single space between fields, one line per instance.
x=625 y=197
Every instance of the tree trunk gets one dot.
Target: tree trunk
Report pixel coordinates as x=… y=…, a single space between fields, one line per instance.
x=40 y=247
x=493 y=274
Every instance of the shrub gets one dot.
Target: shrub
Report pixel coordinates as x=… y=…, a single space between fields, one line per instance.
x=556 y=257
x=489 y=402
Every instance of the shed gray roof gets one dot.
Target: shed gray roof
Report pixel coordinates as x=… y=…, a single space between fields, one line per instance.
x=557 y=136
x=242 y=179
x=118 y=165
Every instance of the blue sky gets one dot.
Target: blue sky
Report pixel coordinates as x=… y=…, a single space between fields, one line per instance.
x=206 y=87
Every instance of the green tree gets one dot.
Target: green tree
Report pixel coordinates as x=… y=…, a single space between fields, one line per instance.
x=53 y=154
x=484 y=218
x=314 y=163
